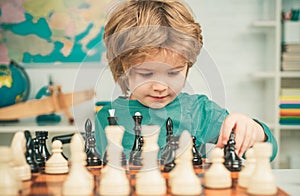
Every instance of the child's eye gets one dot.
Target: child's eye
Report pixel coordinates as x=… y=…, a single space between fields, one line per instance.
x=146 y=75
x=173 y=73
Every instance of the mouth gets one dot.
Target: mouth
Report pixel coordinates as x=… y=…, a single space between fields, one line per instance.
x=158 y=98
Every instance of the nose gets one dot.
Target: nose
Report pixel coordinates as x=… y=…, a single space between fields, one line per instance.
x=159 y=87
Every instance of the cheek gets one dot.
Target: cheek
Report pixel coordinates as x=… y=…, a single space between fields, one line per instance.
x=139 y=86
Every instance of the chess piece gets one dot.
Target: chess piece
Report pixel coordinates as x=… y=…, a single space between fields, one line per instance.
x=262 y=181
x=42 y=136
x=184 y=181
x=247 y=171
x=112 y=121
x=10 y=184
x=167 y=158
x=79 y=181
x=136 y=151
x=170 y=154
x=93 y=157
x=18 y=147
x=217 y=176
x=113 y=176
x=56 y=164
x=149 y=180
x=197 y=159
x=232 y=161
x=40 y=160
x=30 y=158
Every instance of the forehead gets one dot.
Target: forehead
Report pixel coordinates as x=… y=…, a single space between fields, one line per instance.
x=161 y=57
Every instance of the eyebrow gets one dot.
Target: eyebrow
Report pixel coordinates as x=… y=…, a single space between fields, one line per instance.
x=146 y=69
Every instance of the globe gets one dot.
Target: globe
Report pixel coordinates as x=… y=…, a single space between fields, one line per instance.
x=14 y=84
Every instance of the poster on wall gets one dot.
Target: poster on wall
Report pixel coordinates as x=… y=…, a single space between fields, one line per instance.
x=56 y=31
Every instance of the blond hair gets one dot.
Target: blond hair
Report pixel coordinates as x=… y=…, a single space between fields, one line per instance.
x=136 y=28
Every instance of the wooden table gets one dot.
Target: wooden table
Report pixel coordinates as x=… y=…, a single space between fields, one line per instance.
x=43 y=184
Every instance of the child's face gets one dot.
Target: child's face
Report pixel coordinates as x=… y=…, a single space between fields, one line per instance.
x=158 y=79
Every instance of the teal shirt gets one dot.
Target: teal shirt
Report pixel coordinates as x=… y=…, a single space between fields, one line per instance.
x=196 y=113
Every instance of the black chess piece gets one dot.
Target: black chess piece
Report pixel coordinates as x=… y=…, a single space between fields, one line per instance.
x=232 y=161
x=30 y=158
x=171 y=155
x=38 y=156
x=136 y=151
x=112 y=120
x=42 y=136
x=93 y=157
x=168 y=154
x=166 y=150
x=197 y=159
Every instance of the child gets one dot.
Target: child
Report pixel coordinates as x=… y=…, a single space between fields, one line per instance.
x=151 y=44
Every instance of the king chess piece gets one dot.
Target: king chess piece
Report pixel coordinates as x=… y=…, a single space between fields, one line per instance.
x=93 y=157
x=136 y=152
x=168 y=153
x=197 y=159
x=30 y=158
x=232 y=161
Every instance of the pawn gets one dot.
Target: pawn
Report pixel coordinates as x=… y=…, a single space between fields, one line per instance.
x=18 y=147
x=30 y=153
x=247 y=171
x=262 y=181
x=197 y=159
x=56 y=164
x=10 y=184
x=217 y=176
x=79 y=181
x=184 y=181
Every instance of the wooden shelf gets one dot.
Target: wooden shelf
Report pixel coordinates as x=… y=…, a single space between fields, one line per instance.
x=290 y=74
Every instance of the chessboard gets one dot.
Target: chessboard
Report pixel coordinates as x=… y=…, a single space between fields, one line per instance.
x=49 y=184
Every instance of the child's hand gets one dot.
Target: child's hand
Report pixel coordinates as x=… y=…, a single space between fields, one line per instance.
x=246 y=130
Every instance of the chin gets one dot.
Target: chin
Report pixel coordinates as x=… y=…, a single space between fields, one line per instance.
x=156 y=105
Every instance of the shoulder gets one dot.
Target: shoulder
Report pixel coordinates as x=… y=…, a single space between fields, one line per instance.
x=194 y=98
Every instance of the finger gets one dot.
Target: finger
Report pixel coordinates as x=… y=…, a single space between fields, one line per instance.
x=220 y=143
x=226 y=128
x=240 y=134
x=247 y=141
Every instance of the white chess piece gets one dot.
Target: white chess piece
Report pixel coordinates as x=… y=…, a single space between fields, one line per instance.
x=262 y=182
x=149 y=180
x=247 y=171
x=10 y=184
x=184 y=180
x=79 y=181
x=56 y=164
x=18 y=147
x=217 y=176
x=113 y=179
